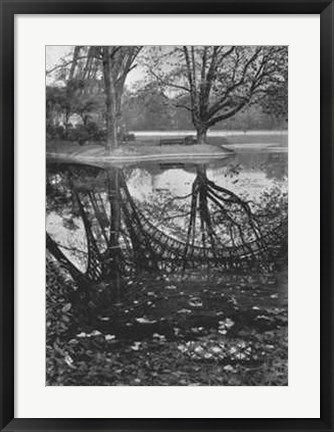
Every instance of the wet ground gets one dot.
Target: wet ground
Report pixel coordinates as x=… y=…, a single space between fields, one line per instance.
x=223 y=331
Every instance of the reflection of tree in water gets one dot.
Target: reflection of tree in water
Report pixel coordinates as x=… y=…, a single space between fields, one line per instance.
x=91 y=196
x=212 y=216
x=222 y=230
x=220 y=210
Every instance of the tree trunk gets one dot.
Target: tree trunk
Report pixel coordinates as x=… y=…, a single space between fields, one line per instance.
x=111 y=106
x=201 y=135
x=66 y=123
x=111 y=132
x=115 y=225
x=111 y=117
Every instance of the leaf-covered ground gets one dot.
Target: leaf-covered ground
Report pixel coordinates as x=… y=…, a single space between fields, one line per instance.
x=202 y=329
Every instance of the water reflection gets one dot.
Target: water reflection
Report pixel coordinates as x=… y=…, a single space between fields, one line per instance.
x=107 y=225
x=246 y=174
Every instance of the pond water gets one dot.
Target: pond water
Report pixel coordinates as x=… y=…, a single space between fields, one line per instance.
x=175 y=251
x=180 y=222
x=248 y=174
x=167 y=188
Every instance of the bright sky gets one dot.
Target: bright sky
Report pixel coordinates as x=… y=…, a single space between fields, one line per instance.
x=54 y=53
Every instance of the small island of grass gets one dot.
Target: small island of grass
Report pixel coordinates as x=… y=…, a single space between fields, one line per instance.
x=132 y=151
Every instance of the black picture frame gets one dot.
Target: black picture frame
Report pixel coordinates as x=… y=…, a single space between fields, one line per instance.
x=8 y=9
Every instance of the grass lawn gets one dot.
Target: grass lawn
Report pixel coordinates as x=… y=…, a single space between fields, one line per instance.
x=277 y=139
x=132 y=151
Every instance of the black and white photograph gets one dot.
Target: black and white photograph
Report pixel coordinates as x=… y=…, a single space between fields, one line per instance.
x=166 y=215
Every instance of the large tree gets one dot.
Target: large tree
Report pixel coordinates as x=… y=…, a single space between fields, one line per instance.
x=215 y=82
x=117 y=62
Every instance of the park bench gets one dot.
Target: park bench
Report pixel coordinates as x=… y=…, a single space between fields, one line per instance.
x=188 y=140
